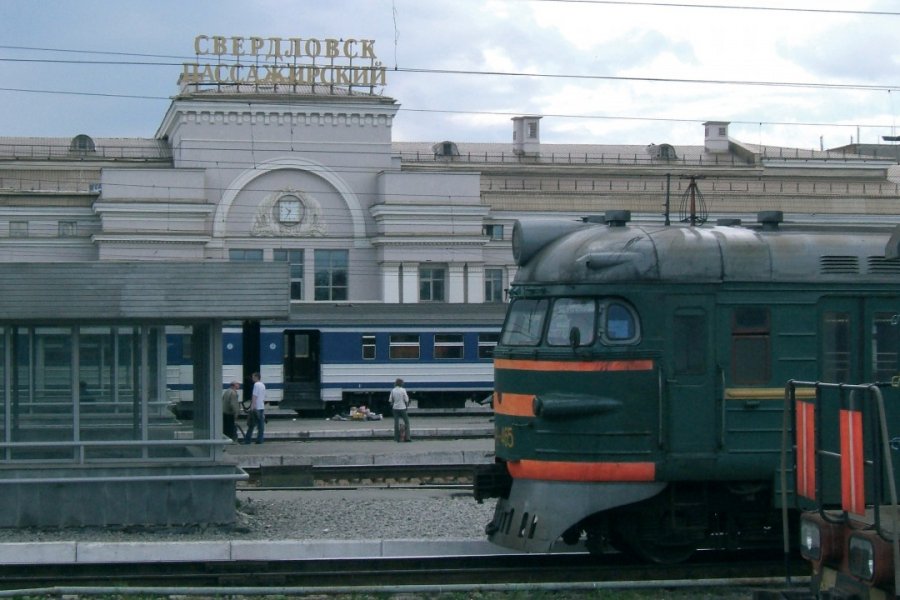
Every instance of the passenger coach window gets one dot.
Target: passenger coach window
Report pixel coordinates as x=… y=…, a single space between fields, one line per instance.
x=524 y=323
x=572 y=317
x=404 y=345
x=368 y=347
x=750 y=347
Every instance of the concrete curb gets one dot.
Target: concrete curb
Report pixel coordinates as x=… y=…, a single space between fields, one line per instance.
x=46 y=553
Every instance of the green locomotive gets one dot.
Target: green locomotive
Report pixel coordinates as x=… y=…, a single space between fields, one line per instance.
x=639 y=378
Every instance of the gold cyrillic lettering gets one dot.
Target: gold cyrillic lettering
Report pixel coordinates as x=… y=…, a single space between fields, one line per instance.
x=341 y=76
x=350 y=48
x=368 y=49
x=313 y=47
x=293 y=47
x=274 y=47
x=360 y=77
x=219 y=45
x=237 y=46
x=379 y=75
x=190 y=73
x=331 y=48
x=207 y=74
x=252 y=75
x=256 y=44
x=198 y=50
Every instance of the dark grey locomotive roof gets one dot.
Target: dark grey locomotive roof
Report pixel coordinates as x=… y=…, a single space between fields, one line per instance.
x=552 y=252
x=162 y=291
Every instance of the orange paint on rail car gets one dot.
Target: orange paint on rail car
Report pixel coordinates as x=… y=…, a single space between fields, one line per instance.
x=551 y=470
x=575 y=366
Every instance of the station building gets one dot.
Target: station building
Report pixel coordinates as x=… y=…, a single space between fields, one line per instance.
x=123 y=259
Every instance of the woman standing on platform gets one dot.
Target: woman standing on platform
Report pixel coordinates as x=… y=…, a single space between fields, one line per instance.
x=399 y=404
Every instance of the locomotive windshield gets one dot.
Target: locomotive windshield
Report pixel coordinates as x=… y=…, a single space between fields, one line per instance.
x=524 y=323
x=570 y=317
x=572 y=321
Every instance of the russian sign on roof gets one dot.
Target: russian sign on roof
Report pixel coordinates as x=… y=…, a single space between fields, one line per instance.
x=256 y=61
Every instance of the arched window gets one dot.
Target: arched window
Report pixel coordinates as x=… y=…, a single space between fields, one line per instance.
x=82 y=143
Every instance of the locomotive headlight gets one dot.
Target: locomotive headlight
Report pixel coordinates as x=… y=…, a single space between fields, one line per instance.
x=870 y=557
x=810 y=540
x=862 y=558
x=819 y=539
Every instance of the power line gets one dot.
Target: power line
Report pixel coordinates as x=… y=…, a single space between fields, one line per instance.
x=470 y=72
x=498 y=113
x=878 y=13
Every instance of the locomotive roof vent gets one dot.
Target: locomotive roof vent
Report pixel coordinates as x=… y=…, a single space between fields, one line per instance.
x=594 y=219
x=617 y=218
x=728 y=222
x=770 y=219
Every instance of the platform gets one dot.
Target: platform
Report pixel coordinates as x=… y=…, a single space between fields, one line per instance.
x=436 y=440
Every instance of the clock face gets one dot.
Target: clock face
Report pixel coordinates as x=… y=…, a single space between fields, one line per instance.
x=290 y=209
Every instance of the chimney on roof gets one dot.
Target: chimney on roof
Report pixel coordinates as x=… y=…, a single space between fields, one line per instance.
x=715 y=140
x=526 y=136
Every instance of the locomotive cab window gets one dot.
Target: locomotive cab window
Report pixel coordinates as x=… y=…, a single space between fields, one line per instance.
x=524 y=322
x=572 y=322
x=750 y=348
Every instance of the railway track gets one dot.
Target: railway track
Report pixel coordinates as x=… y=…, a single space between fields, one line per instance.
x=315 y=476
x=564 y=571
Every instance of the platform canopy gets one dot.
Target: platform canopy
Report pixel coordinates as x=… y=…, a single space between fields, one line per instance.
x=169 y=291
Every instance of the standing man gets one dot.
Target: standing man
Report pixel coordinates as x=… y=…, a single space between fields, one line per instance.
x=230 y=409
x=399 y=405
x=256 y=416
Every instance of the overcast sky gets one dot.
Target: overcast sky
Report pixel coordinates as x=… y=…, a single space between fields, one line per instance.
x=612 y=65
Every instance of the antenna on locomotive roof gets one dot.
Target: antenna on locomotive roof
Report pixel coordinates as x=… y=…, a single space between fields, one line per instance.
x=693 y=208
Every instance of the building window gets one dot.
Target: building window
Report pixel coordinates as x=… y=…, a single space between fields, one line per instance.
x=68 y=229
x=448 y=345
x=18 y=229
x=486 y=344
x=494 y=232
x=404 y=346
x=431 y=284
x=82 y=143
x=368 y=346
x=295 y=259
x=245 y=254
x=493 y=285
x=331 y=274
x=532 y=130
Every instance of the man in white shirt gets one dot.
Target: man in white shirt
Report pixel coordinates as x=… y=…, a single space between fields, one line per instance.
x=256 y=416
x=399 y=404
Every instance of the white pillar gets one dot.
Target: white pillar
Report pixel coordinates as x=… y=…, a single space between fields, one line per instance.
x=390 y=282
x=456 y=283
x=476 y=283
x=410 y=292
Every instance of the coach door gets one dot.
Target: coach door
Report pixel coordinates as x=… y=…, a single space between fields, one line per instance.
x=301 y=369
x=688 y=406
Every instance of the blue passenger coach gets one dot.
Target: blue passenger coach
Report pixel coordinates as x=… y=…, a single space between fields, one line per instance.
x=334 y=356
